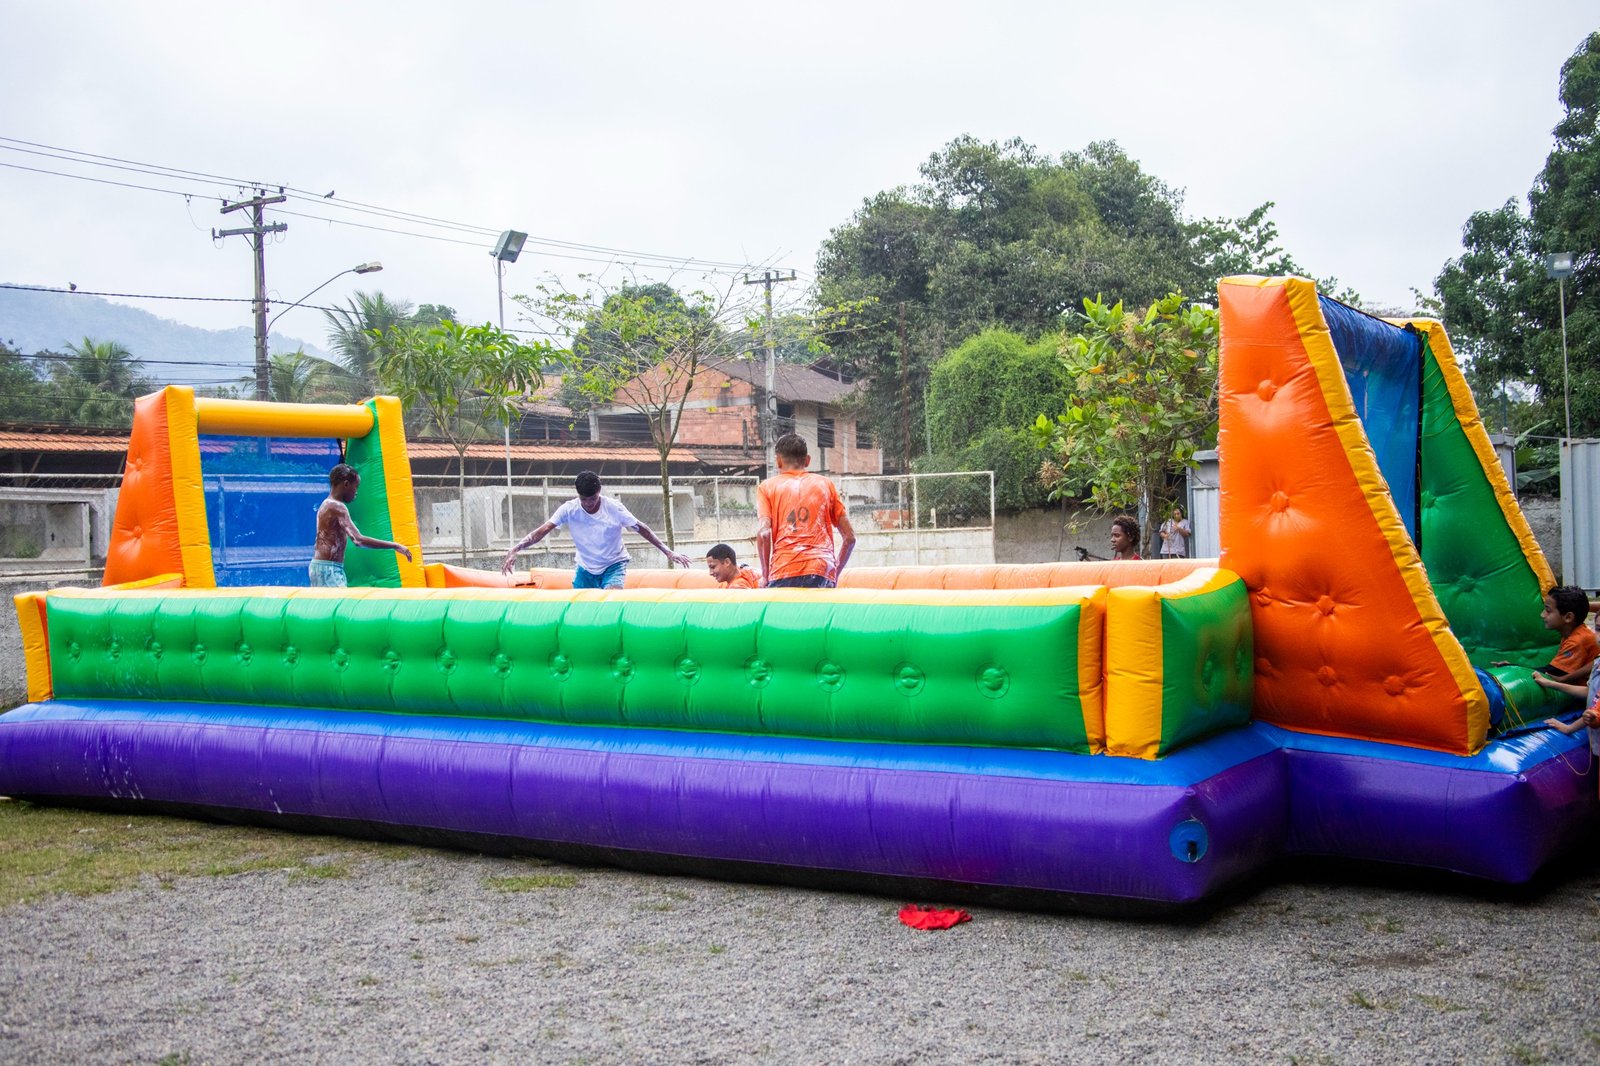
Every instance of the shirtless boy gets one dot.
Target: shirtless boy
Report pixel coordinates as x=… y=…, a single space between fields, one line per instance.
x=334 y=527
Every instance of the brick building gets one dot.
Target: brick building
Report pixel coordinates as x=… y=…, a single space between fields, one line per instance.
x=723 y=413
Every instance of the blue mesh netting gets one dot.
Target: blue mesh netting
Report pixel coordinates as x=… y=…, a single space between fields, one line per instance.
x=1383 y=366
x=262 y=495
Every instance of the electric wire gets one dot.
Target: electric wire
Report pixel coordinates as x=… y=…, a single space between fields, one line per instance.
x=177 y=173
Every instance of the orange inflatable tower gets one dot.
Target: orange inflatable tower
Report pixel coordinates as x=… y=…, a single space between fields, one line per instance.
x=1350 y=639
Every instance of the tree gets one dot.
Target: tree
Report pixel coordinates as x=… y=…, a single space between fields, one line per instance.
x=1502 y=311
x=295 y=377
x=1004 y=235
x=1224 y=247
x=95 y=383
x=104 y=365
x=353 y=332
x=642 y=347
x=1143 y=400
x=983 y=399
x=20 y=387
x=462 y=380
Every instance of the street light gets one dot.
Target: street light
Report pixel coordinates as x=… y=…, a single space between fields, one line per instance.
x=506 y=250
x=1558 y=265
x=261 y=349
x=360 y=268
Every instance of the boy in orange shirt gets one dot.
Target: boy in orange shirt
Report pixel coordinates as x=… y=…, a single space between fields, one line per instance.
x=722 y=563
x=798 y=513
x=1565 y=608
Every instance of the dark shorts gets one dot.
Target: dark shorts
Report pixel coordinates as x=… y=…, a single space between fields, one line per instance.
x=804 y=581
x=609 y=578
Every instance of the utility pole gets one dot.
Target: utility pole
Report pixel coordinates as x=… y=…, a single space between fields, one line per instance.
x=769 y=424
x=257 y=232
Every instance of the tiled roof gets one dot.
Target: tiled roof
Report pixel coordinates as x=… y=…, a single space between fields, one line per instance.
x=549 y=451
x=792 y=383
x=47 y=441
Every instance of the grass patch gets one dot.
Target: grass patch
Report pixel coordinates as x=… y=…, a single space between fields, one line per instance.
x=1439 y=1003
x=51 y=851
x=531 y=882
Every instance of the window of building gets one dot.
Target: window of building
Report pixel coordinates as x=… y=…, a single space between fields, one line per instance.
x=824 y=432
x=864 y=436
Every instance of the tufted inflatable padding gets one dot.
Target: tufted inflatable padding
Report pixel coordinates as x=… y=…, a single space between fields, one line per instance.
x=1179 y=663
x=1488 y=572
x=386 y=505
x=1010 y=669
x=144 y=529
x=1306 y=516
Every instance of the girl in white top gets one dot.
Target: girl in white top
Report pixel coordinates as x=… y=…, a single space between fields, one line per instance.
x=1175 y=533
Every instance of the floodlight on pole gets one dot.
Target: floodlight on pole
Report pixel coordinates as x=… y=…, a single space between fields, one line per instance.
x=360 y=268
x=1558 y=265
x=506 y=250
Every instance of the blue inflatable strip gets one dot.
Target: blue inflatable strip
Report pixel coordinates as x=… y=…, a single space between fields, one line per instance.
x=1383 y=367
x=1183 y=768
x=1512 y=754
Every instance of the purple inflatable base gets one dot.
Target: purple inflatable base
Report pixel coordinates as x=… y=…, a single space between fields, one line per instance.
x=1007 y=827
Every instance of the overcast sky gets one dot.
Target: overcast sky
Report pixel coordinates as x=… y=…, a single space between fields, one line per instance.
x=735 y=133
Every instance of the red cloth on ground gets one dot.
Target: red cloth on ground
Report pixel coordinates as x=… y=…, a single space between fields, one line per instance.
x=919 y=917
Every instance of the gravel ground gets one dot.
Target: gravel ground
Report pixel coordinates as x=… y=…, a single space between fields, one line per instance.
x=427 y=957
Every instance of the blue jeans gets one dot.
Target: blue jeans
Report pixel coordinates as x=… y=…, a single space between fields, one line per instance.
x=804 y=581
x=609 y=578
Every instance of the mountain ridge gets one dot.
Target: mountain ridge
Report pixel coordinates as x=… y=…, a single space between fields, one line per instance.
x=33 y=321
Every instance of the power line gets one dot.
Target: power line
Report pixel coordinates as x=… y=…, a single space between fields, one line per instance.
x=160 y=170
x=108 y=181
x=152 y=170
x=134 y=295
x=176 y=171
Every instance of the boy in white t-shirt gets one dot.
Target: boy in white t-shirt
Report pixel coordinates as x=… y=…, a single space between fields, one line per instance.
x=595 y=524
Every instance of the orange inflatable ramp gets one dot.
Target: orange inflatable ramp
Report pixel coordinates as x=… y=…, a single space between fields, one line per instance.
x=1349 y=637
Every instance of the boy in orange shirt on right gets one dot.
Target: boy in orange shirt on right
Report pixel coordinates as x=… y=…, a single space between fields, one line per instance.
x=1565 y=608
x=798 y=513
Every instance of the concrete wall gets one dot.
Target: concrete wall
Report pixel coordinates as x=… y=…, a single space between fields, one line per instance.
x=1050 y=536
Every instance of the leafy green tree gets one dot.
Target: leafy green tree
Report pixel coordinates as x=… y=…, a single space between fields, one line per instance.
x=1143 y=401
x=1224 y=247
x=21 y=389
x=642 y=348
x=353 y=332
x=983 y=399
x=1004 y=235
x=1502 y=311
x=465 y=382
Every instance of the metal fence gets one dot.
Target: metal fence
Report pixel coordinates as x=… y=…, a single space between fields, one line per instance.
x=61 y=523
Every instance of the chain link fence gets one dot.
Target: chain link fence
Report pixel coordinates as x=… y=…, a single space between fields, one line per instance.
x=61 y=523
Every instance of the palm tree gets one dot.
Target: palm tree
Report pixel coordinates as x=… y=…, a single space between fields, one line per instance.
x=295 y=377
x=350 y=337
x=104 y=366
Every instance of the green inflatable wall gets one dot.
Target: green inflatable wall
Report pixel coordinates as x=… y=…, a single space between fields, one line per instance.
x=970 y=670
